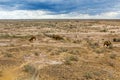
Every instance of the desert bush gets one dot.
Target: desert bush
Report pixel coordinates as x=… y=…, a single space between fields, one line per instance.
x=92 y=44
x=88 y=75
x=73 y=58
x=29 y=68
x=14 y=36
x=68 y=59
x=77 y=41
x=112 y=64
x=5 y=36
x=63 y=49
x=36 y=54
x=104 y=30
x=8 y=55
x=110 y=47
x=74 y=52
x=68 y=39
x=57 y=51
x=67 y=62
x=99 y=50
x=113 y=56
x=116 y=39
x=112 y=31
x=56 y=37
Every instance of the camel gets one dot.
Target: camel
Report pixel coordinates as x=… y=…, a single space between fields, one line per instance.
x=32 y=39
x=107 y=43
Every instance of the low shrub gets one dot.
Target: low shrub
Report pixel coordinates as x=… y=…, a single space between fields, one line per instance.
x=74 y=52
x=70 y=58
x=99 y=50
x=113 y=56
x=116 y=39
x=56 y=37
x=103 y=30
x=88 y=75
x=29 y=68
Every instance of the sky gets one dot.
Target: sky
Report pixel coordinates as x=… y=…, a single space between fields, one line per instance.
x=59 y=9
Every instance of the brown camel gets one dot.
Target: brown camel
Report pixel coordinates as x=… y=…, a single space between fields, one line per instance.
x=107 y=43
x=32 y=38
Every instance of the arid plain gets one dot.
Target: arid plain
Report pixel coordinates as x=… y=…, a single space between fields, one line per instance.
x=60 y=50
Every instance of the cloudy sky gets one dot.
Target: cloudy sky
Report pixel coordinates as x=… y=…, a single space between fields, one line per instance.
x=59 y=9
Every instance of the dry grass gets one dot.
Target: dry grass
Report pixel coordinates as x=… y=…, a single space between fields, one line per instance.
x=63 y=50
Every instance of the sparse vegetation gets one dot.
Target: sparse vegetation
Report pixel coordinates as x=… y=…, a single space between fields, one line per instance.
x=70 y=58
x=8 y=55
x=29 y=68
x=104 y=30
x=36 y=54
x=64 y=50
x=74 y=52
x=77 y=41
x=112 y=64
x=67 y=61
x=88 y=75
x=116 y=39
x=100 y=50
x=113 y=56
x=57 y=51
x=7 y=36
x=94 y=45
x=56 y=37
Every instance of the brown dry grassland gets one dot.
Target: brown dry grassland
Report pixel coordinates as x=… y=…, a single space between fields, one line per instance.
x=62 y=50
